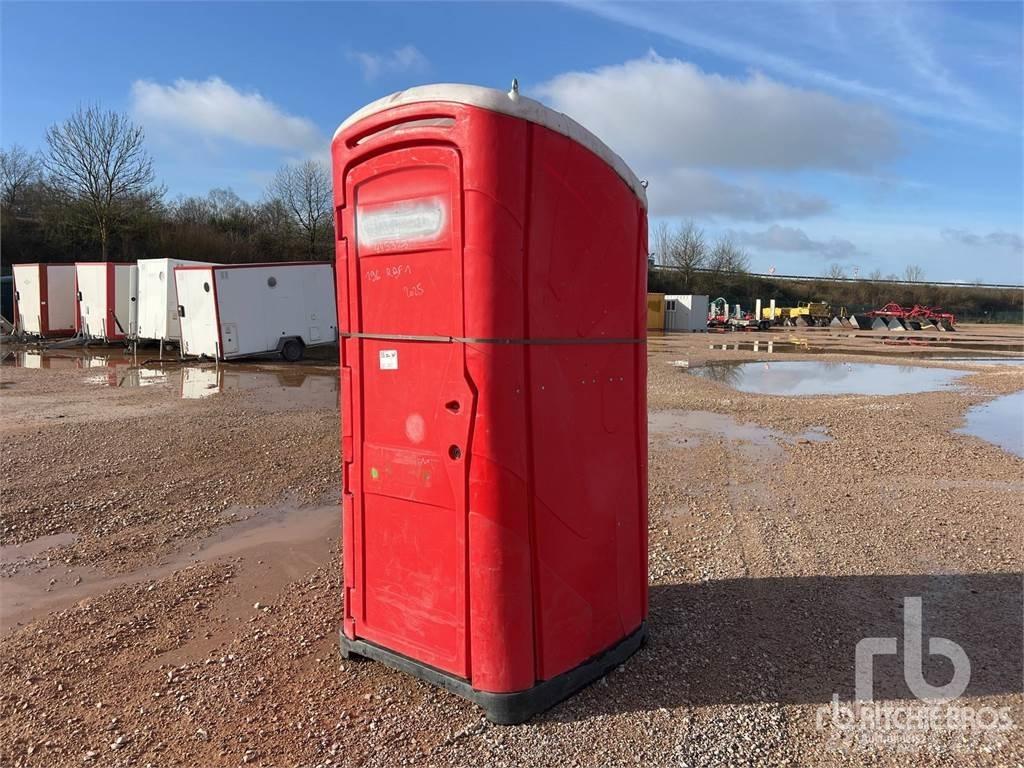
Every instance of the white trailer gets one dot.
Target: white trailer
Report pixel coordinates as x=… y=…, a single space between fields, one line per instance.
x=686 y=313
x=107 y=299
x=237 y=310
x=44 y=299
x=158 y=298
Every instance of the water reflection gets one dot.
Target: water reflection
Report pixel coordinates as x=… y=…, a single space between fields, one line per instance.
x=277 y=385
x=828 y=378
x=280 y=388
x=724 y=373
x=769 y=346
x=1000 y=422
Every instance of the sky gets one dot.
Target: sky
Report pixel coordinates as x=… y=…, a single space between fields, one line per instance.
x=871 y=136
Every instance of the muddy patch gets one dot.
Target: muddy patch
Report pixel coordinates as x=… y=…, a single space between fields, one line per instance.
x=13 y=556
x=689 y=428
x=282 y=541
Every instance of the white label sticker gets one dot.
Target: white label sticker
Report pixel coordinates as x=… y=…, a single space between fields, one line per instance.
x=405 y=222
x=389 y=359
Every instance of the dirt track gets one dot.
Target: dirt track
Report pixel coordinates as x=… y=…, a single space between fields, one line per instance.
x=183 y=612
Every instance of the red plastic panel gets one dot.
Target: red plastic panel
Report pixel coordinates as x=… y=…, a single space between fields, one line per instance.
x=588 y=403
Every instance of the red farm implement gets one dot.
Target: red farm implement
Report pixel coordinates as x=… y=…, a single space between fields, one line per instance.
x=914 y=318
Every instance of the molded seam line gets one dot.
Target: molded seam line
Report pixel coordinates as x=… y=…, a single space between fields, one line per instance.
x=536 y=612
x=483 y=340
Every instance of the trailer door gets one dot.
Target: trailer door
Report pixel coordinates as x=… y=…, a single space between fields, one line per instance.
x=92 y=286
x=197 y=310
x=60 y=297
x=126 y=304
x=30 y=306
x=153 y=290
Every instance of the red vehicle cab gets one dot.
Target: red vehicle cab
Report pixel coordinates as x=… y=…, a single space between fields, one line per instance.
x=491 y=268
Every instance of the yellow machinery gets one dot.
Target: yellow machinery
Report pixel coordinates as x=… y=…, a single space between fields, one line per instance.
x=780 y=314
x=804 y=313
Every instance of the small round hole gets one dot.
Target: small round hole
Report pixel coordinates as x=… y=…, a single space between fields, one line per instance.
x=271 y=281
x=206 y=287
x=453 y=406
x=454 y=452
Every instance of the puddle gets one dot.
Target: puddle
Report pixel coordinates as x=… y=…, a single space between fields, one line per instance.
x=276 y=385
x=288 y=539
x=821 y=378
x=280 y=389
x=15 y=554
x=686 y=428
x=1000 y=422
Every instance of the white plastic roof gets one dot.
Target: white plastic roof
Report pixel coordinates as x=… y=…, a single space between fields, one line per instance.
x=512 y=104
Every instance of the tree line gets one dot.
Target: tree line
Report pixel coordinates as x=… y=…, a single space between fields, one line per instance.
x=721 y=269
x=92 y=194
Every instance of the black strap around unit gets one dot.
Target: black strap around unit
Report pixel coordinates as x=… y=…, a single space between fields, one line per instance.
x=476 y=340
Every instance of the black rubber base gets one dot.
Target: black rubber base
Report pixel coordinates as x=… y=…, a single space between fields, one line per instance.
x=506 y=708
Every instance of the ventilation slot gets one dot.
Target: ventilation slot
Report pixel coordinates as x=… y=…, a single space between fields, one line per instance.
x=408 y=125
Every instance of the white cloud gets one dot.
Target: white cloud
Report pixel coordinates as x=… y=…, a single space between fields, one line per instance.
x=1009 y=240
x=669 y=111
x=689 y=192
x=682 y=26
x=214 y=109
x=794 y=240
x=408 y=58
x=676 y=125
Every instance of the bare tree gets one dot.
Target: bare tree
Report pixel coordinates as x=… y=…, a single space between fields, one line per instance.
x=726 y=256
x=688 y=250
x=276 y=218
x=835 y=272
x=18 y=169
x=98 y=158
x=913 y=273
x=191 y=211
x=661 y=242
x=875 y=276
x=305 y=191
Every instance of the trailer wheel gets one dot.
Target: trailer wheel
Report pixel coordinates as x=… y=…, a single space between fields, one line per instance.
x=293 y=350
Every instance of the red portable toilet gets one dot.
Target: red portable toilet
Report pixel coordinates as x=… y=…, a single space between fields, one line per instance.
x=492 y=277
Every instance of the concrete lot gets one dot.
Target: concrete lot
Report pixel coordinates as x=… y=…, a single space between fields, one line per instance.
x=170 y=568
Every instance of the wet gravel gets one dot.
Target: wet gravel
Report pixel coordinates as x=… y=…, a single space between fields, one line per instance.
x=767 y=566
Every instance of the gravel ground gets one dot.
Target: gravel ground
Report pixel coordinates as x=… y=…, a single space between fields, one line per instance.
x=165 y=612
